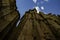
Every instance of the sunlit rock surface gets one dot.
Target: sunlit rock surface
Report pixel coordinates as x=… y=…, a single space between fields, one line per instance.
x=34 y=26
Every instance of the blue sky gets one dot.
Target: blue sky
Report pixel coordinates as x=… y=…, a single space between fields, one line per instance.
x=47 y=6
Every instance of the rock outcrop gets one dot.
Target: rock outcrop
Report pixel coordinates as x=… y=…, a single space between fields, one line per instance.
x=34 y=26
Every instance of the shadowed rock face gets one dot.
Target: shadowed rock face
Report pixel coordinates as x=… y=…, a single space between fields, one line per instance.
x=8 y=18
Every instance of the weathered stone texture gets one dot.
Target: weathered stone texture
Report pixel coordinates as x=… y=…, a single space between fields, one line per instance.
x=8 y=18
x=34 y=26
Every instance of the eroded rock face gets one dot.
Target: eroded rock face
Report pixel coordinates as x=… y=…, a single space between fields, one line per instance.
x=40 y=26
x=8 y=18
x=33 y=26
